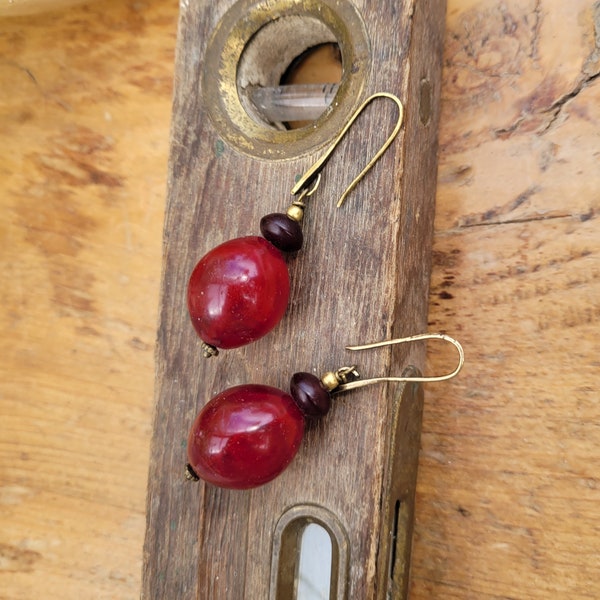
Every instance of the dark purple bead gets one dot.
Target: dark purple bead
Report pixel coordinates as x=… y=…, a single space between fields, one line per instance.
x=310 y=396
x=284 y=233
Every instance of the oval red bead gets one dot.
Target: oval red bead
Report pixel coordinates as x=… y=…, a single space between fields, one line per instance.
x=245 y=436
x=238 y=292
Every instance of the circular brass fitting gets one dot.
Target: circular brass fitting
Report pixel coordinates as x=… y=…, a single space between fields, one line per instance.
x=254 y=43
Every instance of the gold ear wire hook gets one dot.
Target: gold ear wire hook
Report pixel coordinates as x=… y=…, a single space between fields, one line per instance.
x=314 y=171
x=308 y=192
x=422 y=336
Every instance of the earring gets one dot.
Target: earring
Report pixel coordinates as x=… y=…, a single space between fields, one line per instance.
x=248 y=434
x=239 y=291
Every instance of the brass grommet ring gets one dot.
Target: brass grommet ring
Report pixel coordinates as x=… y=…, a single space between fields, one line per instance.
x=235 y=58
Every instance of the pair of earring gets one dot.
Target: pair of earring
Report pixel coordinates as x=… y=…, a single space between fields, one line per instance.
x=247 y=435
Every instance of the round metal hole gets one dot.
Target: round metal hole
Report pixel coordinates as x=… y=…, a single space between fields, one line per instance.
x=298 y=532
x=320 y=65
x=254 y=44
x=273 y=53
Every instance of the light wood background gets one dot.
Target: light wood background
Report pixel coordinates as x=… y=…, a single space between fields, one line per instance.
x=508 y=499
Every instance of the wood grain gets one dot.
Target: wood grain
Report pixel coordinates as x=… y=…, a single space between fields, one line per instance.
x=508 y=492
x=83 y=161
x=508 y=498
x=18 y=8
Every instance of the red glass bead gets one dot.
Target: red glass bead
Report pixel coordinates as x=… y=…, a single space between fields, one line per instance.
x=245 y=436
x=238 y=292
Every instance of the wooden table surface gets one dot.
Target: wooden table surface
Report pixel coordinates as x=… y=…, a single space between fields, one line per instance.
x=508 y=499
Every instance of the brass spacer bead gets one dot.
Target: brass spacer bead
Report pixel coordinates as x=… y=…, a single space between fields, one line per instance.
x=330 y=381
x=209 y=350
x=190 y=474
x=295 y=212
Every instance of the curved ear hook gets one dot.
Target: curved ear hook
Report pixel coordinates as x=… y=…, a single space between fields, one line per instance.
x=305 y=181
x=422 y=336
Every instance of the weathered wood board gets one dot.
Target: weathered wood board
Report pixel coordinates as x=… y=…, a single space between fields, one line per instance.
x=363 y=275
x=508 y=496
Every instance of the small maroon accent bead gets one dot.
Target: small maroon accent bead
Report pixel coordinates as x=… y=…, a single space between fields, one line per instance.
x=311 y=397
x=245 y=436
x=238 y=292
x=282 y=232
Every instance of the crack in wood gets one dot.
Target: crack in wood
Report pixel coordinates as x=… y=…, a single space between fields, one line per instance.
x=498 y=211
x=533 y=48
x=556 y=107
x=590 y=71
x=482 y=221
x=530 y=219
